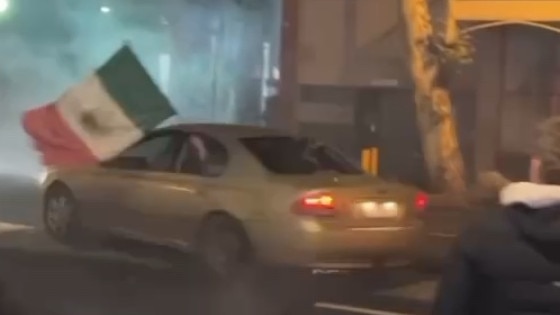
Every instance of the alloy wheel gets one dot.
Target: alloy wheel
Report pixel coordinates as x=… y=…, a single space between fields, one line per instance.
x=59 y=210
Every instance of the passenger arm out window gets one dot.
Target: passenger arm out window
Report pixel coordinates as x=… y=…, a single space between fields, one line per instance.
x=202 y=155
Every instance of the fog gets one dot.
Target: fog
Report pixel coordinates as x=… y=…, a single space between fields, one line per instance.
x=46 y=46
x=26 y=81
x=37 y=69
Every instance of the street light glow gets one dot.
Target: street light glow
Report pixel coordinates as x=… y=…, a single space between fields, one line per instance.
x=4 y=6
x=103 y=9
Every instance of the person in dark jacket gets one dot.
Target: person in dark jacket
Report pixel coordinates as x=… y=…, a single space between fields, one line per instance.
x=508 y=261
x=8 y=305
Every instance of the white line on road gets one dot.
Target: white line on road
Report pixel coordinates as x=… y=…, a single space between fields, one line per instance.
x=421 y=291
x=9 y=227
x=443 y=235
x=353 y=309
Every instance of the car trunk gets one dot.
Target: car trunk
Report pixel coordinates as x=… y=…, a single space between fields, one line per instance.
x=353 y=195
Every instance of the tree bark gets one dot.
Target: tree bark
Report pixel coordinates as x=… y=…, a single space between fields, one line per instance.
x=434 y=109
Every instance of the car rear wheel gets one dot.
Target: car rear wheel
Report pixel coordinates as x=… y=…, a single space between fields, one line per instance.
x=60 y=215
x=223 y=247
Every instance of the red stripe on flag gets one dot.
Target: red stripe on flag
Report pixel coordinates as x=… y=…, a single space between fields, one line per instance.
x=54 y=139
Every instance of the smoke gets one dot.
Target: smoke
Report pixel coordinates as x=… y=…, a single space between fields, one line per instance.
x=35 y=70
x=215 y=47
x=25 y=81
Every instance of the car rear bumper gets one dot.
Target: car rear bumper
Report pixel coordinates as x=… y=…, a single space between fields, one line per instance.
x=345 y=249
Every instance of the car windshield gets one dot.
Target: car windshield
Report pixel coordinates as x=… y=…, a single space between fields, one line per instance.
x=297 y=156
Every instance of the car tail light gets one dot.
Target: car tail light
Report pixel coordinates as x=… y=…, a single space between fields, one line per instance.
x=316 y=204
x=421 y=201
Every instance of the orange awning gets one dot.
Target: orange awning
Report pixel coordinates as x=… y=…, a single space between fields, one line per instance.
x=504 y=10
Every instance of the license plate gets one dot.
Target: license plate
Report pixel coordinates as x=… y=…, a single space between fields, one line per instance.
x=378 y=209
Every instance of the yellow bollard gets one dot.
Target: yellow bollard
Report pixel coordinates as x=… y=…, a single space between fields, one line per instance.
x=370 y=160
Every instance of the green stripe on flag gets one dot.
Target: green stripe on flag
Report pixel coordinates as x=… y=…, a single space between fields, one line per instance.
x=130 y=85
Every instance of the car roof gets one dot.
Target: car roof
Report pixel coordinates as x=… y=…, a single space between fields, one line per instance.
x=229 y=130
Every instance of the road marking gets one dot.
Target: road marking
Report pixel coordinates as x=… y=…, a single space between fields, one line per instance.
x=36 y=240
x=420 y=291
x=9 y=227
x=353 y=309
x=329 y=271
x=443 y=235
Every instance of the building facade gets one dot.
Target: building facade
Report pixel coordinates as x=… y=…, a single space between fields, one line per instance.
x=354 y=85
x=515 y=76
x=352 y=61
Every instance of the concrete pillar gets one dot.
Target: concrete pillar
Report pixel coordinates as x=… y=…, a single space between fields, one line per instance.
x=282 y=113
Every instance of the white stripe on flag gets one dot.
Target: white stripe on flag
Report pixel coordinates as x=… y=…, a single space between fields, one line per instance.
x=90 y=98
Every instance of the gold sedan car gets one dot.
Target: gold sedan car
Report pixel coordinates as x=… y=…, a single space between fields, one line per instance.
x=234 y=194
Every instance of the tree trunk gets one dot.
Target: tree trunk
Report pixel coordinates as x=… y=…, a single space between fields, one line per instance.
x=434 y=109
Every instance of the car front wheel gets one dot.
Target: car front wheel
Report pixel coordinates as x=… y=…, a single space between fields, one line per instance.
x=60 y=215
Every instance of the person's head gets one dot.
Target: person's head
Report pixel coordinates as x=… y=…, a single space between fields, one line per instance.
x=200 y=147
x=545 y=164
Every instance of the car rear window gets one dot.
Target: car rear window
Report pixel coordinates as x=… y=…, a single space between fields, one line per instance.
x=298 y=156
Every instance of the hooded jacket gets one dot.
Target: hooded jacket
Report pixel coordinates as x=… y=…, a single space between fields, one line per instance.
x=8 y=306
x=508 y=261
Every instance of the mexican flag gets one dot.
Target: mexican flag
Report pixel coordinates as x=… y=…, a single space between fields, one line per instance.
x=97 y=119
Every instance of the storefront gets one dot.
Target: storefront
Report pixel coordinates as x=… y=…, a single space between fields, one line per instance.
x=376 y=126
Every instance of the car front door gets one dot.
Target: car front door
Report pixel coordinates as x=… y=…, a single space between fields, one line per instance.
x=171 y=204
x=119 y=179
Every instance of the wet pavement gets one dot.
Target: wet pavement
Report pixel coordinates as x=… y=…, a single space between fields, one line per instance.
x=129 y=278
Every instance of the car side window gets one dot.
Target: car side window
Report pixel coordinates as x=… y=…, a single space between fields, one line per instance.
x=202 y=155
x=156 y=153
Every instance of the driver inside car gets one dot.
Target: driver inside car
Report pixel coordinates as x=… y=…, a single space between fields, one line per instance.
x=193 y=156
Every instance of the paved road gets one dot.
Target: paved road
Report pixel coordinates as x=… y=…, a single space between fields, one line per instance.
x=139 y=280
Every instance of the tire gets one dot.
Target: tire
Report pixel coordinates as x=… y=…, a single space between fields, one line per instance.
x=223 y=247
x=61 y=217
